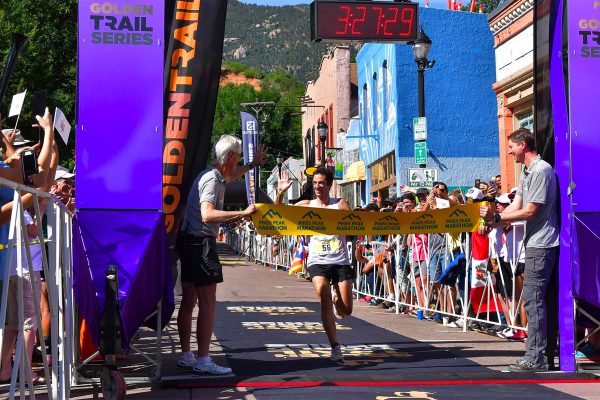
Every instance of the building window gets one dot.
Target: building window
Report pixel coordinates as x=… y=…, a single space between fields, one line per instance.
x=386 y=90
x=383 y=175
x=309 y=147
x=365 y=108
x=331 y=134
x=349 y=192
x=375 y=102
x=524 y=120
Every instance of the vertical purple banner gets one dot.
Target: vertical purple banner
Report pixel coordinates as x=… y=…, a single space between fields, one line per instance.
x=584 y=84
x=120 y=105
x=249 y=143
x=562 y=165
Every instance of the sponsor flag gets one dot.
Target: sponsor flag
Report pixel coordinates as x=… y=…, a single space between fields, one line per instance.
x=249 y=143
x=298 y=260
x=17 y=104
x=194 y=32
x=61 y=125
x=481 y=280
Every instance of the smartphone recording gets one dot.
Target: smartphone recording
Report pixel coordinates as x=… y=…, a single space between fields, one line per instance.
x=29 y=165
x=38 y=107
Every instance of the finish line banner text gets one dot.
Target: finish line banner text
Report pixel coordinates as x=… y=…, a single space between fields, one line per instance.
x=280 y=219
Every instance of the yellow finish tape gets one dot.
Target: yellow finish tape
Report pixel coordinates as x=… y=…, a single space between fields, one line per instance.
x=277 y=219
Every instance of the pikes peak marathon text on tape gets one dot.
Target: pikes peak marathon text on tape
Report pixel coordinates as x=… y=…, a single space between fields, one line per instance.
x=289 y=220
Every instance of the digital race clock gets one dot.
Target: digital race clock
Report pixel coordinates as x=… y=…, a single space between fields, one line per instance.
x=366 y=21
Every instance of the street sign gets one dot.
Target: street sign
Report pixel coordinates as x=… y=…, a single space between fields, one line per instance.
x=422 y=177
x=420 y=153
x=420 y=128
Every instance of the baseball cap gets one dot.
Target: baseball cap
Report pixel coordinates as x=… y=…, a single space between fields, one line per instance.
x=474 y=194
x=504 y=199
x=422 y=191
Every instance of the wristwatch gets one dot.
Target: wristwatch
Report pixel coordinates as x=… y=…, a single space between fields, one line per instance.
x=497 y=218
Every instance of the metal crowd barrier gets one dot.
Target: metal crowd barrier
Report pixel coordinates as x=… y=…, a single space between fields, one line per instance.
x=400 y=286
x=276 y=252
x=57 y=267
x=410 y=289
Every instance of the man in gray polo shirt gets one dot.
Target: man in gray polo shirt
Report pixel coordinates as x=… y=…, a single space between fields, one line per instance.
x=535 y=203
x=200 y=266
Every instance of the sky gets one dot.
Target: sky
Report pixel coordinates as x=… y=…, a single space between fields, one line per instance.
x=432 y=3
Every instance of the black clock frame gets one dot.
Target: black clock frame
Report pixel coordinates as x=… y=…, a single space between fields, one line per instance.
x=374 y=33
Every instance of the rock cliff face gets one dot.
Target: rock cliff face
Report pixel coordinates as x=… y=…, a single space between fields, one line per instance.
x=271 y=38
x=238 y=78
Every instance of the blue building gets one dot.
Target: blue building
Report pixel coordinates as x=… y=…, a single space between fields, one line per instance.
x=460 y=104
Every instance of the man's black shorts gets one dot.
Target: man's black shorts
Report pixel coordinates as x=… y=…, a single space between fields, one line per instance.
x=507 y=285
x=335 y=273
x=520 y=269
x=200 y=263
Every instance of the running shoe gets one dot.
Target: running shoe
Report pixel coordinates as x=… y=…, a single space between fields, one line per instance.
x=210 y=368
x=375 y=302
x=520 y=334
x=336 y=353
x=588 y=351
x=459 y=323
x=186 y=362
x=527 y=366
x=494 y=329
x=506 y=333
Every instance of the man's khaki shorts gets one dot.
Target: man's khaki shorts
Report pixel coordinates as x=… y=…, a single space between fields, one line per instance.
x=12 y=307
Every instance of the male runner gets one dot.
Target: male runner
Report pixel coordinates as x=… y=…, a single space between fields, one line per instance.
x=328 y=261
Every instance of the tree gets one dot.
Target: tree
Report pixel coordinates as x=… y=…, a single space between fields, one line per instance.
x=48 y=61
x=280 y=126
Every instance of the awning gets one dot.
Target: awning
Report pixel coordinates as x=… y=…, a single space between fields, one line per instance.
x=355 y=172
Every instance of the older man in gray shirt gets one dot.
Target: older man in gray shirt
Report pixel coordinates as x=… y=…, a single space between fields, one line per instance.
x=201 y=269
x=536 y=202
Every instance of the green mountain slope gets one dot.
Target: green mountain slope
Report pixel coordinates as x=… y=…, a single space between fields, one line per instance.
x=272 y=38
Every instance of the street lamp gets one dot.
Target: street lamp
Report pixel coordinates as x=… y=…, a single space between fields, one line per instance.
x=322 y=129
x=279 y=163
x=420 y=49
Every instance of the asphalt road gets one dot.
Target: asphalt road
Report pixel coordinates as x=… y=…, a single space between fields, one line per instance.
x=268 y=331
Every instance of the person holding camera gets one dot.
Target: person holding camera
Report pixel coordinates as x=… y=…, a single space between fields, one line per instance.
x=11 y=167
x=201 y=269
x=25 y=164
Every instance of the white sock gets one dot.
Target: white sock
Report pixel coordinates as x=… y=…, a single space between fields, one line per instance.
x=188 y=354
x=203 y=360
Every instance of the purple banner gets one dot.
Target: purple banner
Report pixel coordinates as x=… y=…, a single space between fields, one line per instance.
x=249 y=143
x=134 y=242
x=584 y=70
x=562 y=165
x=120 y=105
